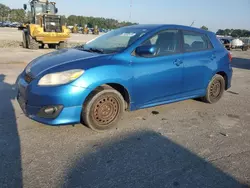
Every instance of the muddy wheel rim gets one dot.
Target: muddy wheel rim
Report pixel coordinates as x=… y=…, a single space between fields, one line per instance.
x=105 y=110
x=215 y=89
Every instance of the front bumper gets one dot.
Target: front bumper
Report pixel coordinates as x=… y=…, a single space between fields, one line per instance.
x=32 y=99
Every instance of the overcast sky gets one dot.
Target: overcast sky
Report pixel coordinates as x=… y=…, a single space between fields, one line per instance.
x=214 y=14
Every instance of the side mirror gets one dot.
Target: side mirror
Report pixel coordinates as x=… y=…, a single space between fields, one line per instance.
x=145 y=51
x=56 y=10
x=24 y=6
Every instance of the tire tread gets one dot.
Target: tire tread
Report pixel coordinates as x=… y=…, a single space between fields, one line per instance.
x=90 y=100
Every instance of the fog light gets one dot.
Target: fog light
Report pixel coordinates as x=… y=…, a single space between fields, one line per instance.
x=50 y=110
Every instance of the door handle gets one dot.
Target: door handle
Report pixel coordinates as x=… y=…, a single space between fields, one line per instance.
x=178 y=62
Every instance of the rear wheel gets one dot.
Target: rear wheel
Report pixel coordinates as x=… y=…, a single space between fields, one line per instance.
x=103 y=109
x=42 y=46
x=244 y=48
x=215 y=89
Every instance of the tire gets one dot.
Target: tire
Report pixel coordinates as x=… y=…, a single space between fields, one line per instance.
x=32 y=44
x=215 y=89
x=52 y=46
x=25 y=41
x=62 y=45
x=103 y=108
x=244 y=48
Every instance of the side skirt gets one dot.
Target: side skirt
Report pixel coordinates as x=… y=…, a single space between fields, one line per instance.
x=172 y=99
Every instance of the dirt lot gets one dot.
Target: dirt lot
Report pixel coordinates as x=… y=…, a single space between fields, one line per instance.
x=186 y=144
x=11 y=37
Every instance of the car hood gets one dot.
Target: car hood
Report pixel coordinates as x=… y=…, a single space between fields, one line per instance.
x=57 y=58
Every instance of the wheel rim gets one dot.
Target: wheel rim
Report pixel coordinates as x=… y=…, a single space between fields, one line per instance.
x=105 y=110
x=215 y=89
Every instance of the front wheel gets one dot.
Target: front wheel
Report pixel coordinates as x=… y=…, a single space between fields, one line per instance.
x=103 y=108
x=215 y=89
x=32 y=44
x=25 y=41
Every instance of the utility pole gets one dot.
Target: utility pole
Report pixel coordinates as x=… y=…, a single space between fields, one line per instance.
x=130 y=13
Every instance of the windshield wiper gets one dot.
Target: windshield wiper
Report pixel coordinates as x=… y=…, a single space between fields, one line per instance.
x=89 y=49
x=96 y=50
x=78 y=47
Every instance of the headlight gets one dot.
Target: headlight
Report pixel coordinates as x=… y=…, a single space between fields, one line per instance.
x=59 y=78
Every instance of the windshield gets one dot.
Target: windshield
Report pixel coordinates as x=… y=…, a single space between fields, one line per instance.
x=116 y=40
x=41 y=8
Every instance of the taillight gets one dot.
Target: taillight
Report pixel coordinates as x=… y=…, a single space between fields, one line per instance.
x=230 y=56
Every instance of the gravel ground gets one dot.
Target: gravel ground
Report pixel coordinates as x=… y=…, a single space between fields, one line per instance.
x=12 y=38
x=184 y=144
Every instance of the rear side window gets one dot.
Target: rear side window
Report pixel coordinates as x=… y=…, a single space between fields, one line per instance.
x=194 y=41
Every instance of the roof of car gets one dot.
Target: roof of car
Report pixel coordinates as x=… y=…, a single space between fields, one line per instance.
x=157 y=26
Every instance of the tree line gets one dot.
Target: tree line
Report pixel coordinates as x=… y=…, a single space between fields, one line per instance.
x=19 y=15
x=234 y=32
x=231 y=32
x=13 y=15
x=106 y=23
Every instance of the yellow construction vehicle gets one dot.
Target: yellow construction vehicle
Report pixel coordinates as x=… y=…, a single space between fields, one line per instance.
x=46 y=26
x=96 y=30
x=85 y=30
x=75 y=29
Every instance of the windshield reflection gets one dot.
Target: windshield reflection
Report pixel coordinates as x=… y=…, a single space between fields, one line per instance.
x=115 y=41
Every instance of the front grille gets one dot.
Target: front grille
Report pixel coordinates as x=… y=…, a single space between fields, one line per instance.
x=52 y=23
x=28 y=78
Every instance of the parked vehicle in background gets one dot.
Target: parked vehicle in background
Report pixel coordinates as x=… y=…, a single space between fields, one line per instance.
x=6 y=24
x=246 y=43
x=75 y=29
x=96 y=30
x=85 y=29
x=236 y=43
x=130 y=68
x=226 y=42
x=15 y=24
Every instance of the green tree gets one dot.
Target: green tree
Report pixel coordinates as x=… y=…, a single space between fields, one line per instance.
x=204 y=28
x=17 y=15
x=4 y=12
x=228 y=31
x=220 y=32
x=234 y=32
x=237 y=33
x=105 y=23
x=245 y=33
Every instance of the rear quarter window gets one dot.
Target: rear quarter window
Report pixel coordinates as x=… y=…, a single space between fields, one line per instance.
x=194 y=41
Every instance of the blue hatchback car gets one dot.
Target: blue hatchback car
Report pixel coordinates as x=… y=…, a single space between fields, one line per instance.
x=129 y=68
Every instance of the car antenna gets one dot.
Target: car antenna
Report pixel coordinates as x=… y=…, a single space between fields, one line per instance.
x=192 y=24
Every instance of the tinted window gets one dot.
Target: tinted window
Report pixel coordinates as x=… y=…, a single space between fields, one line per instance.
x=166 y=42
x=195 y=41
